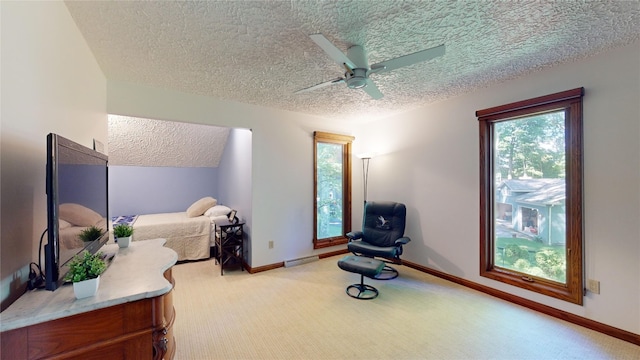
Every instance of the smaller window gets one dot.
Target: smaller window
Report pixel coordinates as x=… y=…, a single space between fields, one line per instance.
x=332 y=188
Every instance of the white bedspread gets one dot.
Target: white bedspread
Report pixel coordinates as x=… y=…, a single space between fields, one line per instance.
x=189 y=237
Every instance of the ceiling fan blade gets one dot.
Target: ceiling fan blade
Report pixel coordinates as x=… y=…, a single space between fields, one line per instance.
x=357 y=55
x=407 y=60
x=331 y=50
x=372 y=90
x=321 y=85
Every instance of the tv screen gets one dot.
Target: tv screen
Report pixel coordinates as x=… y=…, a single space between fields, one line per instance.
x=77 y=205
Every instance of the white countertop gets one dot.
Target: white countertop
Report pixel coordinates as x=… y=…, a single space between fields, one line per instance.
x=135 y=273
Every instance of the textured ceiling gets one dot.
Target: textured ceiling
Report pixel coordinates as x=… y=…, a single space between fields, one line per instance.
x=259 y=52
x=145 y=142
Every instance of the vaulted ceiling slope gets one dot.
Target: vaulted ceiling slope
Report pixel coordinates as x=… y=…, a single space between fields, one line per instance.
x=259 y=52
x=158 y=143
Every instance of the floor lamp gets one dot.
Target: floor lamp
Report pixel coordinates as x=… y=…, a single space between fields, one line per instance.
x=365 y=175
x=365 y=172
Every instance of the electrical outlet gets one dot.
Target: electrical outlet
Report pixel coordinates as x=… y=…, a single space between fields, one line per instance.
x=271 y=244
x=593 y=286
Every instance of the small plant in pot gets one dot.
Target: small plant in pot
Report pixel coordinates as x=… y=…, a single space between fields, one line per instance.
x=91 y=233
x=123 y=233
x=84 y=271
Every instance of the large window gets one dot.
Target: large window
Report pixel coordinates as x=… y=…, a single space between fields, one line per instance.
x=332 y=188
x=531 y=194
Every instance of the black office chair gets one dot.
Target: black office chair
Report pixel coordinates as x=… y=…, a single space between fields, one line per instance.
x=382 y=235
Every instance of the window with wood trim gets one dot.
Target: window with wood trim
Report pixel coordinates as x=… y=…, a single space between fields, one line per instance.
x=531 y=194
x=331 y=188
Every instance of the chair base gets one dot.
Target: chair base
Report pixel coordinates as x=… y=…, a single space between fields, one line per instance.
x=387 y=273
x=362 y=291
x=363 y=266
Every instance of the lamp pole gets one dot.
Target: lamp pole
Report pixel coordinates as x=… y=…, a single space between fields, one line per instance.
x=365 y=175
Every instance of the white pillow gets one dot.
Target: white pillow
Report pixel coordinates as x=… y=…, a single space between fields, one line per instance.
x=221 y=219
x=64 y=224
x=217 y=210
x=78 y=215
x=198 y=208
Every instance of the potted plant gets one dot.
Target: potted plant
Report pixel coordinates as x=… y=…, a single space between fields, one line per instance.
x=84 y=272
x=91 y=233
x=123 y=233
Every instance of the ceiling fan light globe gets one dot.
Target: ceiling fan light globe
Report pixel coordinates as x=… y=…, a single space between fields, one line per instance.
x=357 y=83
x=358 y=79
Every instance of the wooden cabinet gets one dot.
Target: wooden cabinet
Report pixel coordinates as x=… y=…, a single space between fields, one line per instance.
x=134 y=327
x=141 y=329
x=164 y=342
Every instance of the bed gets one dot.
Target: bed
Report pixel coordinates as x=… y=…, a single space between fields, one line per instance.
x=188 y=236
x=189 y=233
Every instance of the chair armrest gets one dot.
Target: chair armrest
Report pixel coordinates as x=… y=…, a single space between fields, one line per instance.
x=402 y=241
x=354 y=235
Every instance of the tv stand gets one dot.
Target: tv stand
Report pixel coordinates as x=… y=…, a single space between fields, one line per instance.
x=131 y=317
x=49 y=268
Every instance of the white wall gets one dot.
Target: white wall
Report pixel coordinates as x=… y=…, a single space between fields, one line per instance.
x=431 y=163
x=50 y=83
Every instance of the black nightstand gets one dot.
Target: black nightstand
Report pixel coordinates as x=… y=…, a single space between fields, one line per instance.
x=229 y=244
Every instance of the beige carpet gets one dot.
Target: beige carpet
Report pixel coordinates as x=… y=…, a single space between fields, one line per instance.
x=303 y=313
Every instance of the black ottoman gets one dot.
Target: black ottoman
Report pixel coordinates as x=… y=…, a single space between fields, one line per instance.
x=364 y=266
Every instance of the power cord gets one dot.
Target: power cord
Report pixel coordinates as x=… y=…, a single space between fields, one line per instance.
x=36 y=277
x=36 y=280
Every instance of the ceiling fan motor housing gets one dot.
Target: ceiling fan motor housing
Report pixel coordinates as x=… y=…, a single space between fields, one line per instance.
x=357 y=79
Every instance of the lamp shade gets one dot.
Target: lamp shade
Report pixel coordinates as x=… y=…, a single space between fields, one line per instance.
x=366 y=155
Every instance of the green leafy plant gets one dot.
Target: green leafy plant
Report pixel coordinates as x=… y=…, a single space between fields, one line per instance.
x=86 y=266
x=522 y=264
x=91 y=233
x=552 y=264
x=122 y=230
x=513 y=252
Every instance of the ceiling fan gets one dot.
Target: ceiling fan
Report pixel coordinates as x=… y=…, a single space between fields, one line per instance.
x=357 y=66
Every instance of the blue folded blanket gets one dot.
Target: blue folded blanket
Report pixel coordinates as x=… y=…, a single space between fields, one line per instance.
x=124 y=219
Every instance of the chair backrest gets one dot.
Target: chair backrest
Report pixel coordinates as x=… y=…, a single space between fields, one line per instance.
x=384 y=222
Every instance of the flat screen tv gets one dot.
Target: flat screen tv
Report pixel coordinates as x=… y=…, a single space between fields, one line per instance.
x=77 y=199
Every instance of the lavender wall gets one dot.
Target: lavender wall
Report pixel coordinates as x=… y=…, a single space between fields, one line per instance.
x=235 y=181
x=137 y=190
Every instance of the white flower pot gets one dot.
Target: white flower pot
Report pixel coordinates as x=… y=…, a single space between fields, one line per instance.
x=86 y=288
x=124 y=242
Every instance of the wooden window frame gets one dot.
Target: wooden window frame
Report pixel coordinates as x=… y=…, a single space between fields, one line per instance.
x=345 y=141
x=571 y=101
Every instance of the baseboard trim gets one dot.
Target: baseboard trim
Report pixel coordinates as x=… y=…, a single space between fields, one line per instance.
x=281 y=264
x=548 y=310
x=333 y=253
x=253 y=270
